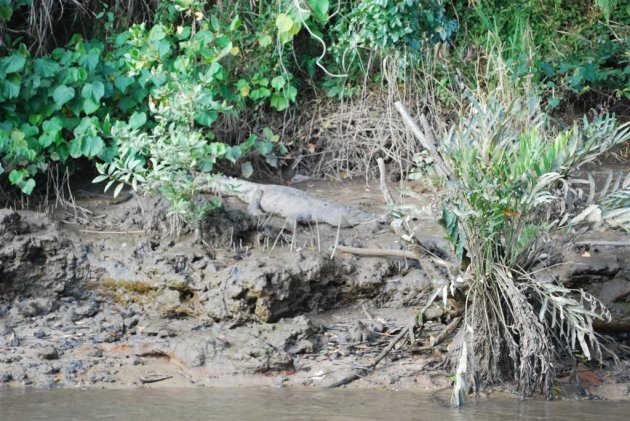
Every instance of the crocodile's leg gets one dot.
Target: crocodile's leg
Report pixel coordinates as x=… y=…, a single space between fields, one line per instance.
x=253 y=208
x=199 y=234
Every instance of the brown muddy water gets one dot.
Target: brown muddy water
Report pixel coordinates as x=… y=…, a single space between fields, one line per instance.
x=287 y=404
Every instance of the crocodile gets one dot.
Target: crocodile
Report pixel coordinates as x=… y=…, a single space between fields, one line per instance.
x=289 y=202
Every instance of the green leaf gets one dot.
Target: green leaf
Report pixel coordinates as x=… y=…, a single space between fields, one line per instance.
x=14 y=63
x=76 y=74
x=91 y=59
x=62 y=94
x=53 y=125
x=46 y=140
x=284 y=23
x=27 y=188
x=45 y=67
x=74 y=148
x=10 y=88
x=90 y=107
x=100 y=178
x=319 y=9
x=217 y=149
x=264 y=148
x=291 y=93
x=206 y=118
x=279 y=102
x=93 y=91
x=118 y=189
x=278 y=82
x=88 y=146
x=233 y=154
x=246 y=169
x=91 y=146
x=16 y=176
x=157 y=33
x=265 y=41
x=5 y=14
x=122 y=82
x=137 y=119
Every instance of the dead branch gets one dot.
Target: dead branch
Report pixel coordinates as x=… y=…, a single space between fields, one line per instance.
x=603 y=243
x=376 y=252
x=450 y=328
x=424 y=139
x=389 y=200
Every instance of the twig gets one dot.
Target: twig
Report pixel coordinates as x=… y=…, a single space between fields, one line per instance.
x=422 y=138
x=389 y=200
x=604 y=243
x=450 y=328
x=391 y=253
x=154 y=378
x=336 y=239
x=114 y=232
x=377 y=252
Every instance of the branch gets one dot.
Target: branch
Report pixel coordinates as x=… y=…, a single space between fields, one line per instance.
x=426 y=141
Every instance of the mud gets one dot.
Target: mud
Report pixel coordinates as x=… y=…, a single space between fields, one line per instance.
x=91 y=297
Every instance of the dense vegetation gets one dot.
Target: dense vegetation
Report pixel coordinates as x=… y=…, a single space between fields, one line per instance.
x=161 y=95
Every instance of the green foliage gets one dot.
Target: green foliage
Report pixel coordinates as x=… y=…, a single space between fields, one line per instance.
x=227 y=58
x=565 y=46
x=370 y=31
x=511 y=190
x=171 y=149
x=55 y=108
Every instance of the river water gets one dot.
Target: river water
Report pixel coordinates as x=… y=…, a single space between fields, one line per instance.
x=286 y=404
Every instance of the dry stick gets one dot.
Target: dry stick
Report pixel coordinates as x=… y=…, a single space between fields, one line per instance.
x=336 y=238
x=428 y=145
x=604 y=243
x=390 y=253
x=377 y=252
x=384 y=188
x=418 y=320
x=114 y=232
x=450 y=328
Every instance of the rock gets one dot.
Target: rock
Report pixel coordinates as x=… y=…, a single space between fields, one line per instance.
x=5 y=377
x=88 y=310
x=267 y=290
x=131 y=322
x=168 y=303
x=8 y=336
x=36 y=306
x=19 y=373
x=73 y=368
x=11 y=223
x=48 y=352
x=48 y=369
x=95 y=353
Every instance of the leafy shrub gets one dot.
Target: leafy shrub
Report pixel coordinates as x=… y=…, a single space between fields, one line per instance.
x=568 y=47
x=511 y=193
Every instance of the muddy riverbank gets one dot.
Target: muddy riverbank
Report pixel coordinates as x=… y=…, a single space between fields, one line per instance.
x=97 y=295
